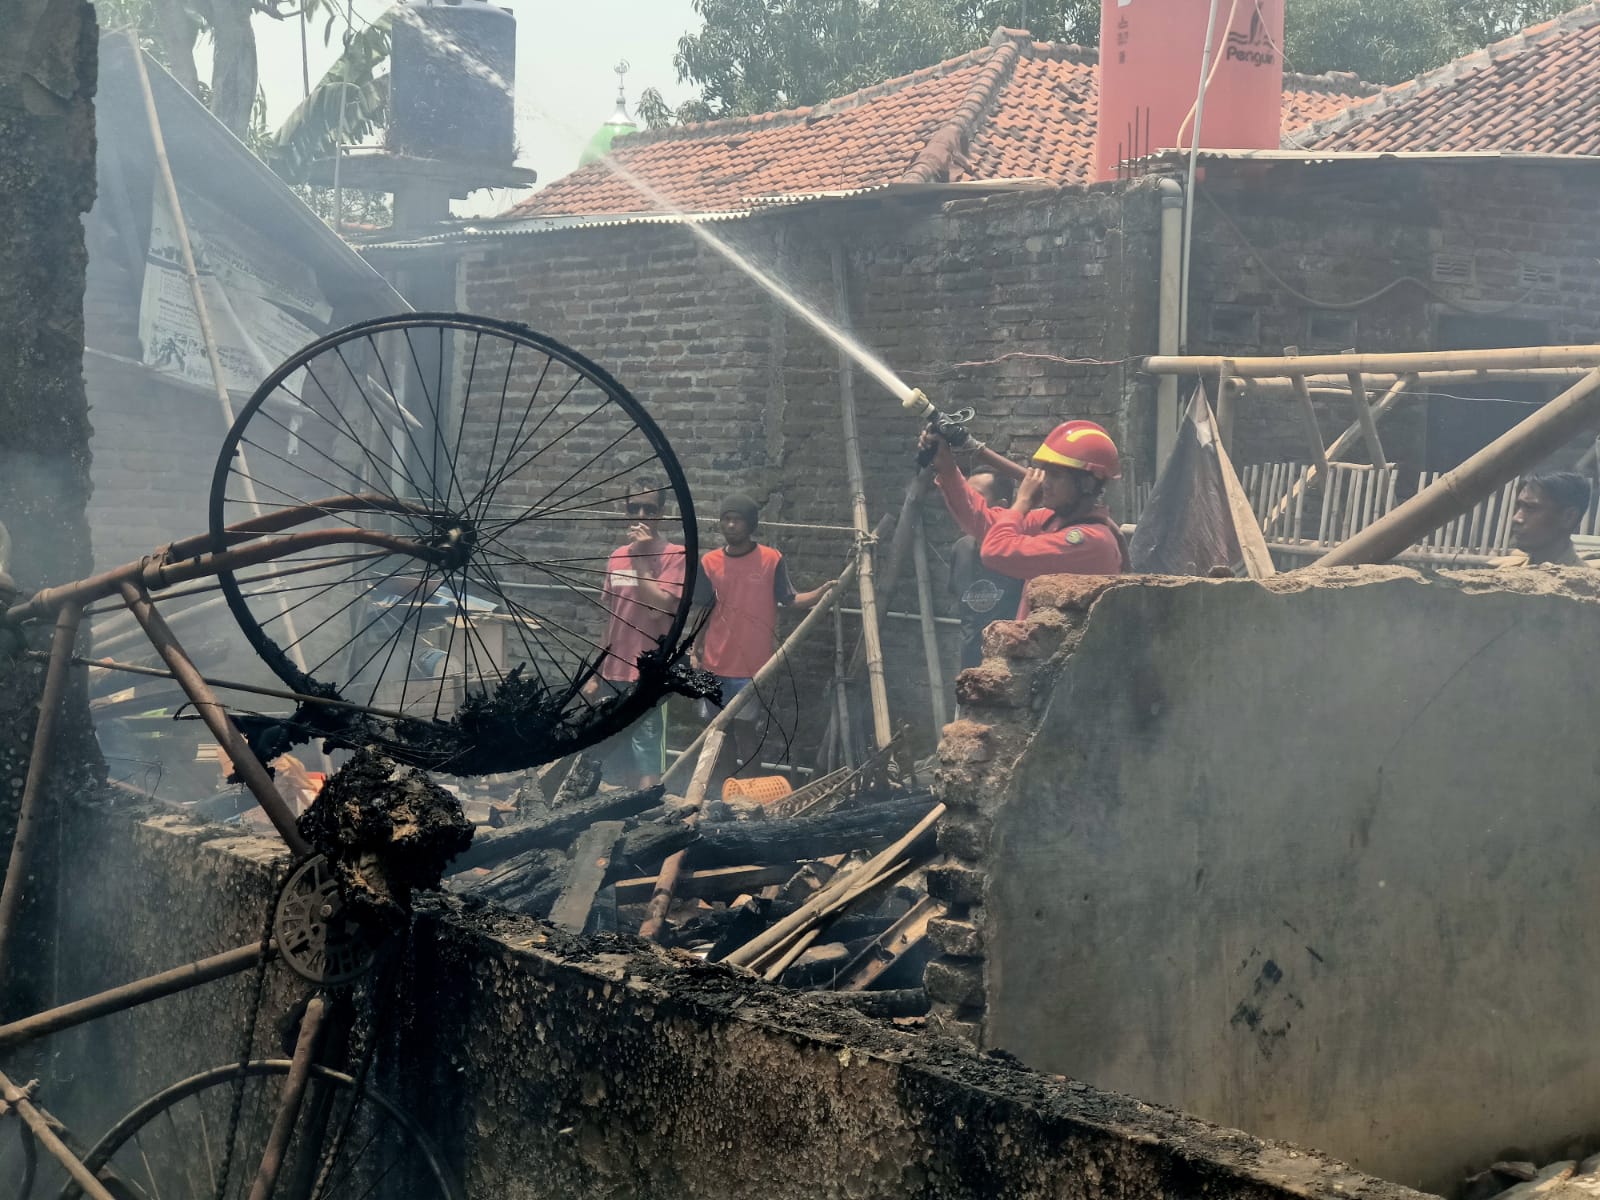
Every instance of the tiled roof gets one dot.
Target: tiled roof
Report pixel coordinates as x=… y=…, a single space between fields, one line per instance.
x=1014 y=109
x=1537 y=92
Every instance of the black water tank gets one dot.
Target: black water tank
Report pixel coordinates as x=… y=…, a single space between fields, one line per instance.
x=452 y=65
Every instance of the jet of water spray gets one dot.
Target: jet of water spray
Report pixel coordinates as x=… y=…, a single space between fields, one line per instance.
x=847 y=344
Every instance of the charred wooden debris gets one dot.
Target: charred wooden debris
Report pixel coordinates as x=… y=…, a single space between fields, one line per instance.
x=820 y=889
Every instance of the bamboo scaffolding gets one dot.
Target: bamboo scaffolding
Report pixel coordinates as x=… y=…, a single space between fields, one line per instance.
x=930 y=631
x=865 y=581
x=1369 y=427
x=1341 y=365
x=1457 y=491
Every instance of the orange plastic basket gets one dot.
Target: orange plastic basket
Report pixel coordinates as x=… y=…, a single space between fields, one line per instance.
x=763 y=789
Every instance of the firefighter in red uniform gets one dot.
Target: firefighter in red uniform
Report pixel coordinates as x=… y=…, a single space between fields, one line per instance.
x=1058 y=524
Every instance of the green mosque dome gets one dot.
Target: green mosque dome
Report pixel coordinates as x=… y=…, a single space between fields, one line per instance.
x=618 y=123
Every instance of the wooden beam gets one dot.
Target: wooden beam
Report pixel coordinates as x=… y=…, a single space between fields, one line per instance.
x=554 y=831
x=889 y=947
x=707 y=884
x=591 y=861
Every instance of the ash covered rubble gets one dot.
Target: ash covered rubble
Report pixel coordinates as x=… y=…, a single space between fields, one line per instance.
x=817 y=888
x=1569 y=1179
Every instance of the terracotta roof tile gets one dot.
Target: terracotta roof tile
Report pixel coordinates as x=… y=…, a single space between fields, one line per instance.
x=1013 y=109
x=1532 y=93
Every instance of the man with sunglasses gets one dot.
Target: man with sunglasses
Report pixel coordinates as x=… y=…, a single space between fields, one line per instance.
x=644 y=582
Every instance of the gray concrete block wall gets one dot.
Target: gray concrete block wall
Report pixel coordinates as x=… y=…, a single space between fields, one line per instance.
x=1312 y=857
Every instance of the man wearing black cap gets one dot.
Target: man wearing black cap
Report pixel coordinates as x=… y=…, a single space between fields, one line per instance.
x=743 y=583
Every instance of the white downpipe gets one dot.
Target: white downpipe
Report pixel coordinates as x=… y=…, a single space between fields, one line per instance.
x=1169 y=315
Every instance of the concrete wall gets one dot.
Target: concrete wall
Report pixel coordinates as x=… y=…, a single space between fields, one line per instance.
x=1313 y=858
x=556 y=1068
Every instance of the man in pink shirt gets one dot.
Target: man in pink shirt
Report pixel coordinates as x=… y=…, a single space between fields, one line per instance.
x=743 y=583
x=643 y=586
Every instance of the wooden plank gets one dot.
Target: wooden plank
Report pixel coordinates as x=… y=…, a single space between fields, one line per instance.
x=889 y=947
x=591 y=861
x=708 y=884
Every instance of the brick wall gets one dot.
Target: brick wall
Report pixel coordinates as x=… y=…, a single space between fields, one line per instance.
x=1357 y=242
x=954 y=298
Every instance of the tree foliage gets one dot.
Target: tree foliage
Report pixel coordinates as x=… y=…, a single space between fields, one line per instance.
x=753 y=56
x=171 y=31
x=1385 y=41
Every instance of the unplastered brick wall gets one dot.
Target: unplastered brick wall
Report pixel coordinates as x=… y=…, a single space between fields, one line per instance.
x=1380 y=256
x=1023 y=306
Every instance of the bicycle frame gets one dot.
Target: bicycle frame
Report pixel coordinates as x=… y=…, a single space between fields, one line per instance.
x=250 y=543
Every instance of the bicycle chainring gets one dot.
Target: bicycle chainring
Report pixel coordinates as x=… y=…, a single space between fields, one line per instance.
x=314 y=931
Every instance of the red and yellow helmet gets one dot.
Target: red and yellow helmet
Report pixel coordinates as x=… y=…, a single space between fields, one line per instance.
x=1083 y=446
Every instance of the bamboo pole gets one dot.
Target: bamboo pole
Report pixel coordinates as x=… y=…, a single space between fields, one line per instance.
x=1575 y=411
x=865 y=581
x=1364 y=419
x=661 y=897
x=1341 y=365
x=769 y=670
x=1226 y=395
x=1346 y=439
x=1282 y=388
x=841 y=693
x=930 y=631
x=202 y=313
x=1308 y=414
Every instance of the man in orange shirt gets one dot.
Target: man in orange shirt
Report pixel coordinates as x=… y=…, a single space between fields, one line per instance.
x=743 y=583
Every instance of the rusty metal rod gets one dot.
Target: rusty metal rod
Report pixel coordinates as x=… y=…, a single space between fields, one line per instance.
x=22 y=843
x=40 y=1127
x=294 y=1091
x=1455 y=492
x=159 y=573
x=216 y=718
x=130 y=995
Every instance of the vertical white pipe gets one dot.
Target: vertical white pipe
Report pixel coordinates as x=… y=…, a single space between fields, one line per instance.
x=1168 y=317
x=1194 y=162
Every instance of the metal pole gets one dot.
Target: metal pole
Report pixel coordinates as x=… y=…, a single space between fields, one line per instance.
x=22 y=843
x=41 y=1129
x=1573 y=412
x=294 y=1091
x=216 y=718
x=130 y=995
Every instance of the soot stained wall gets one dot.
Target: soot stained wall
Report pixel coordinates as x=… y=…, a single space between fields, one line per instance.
x=47 y=82
x=551 y=1067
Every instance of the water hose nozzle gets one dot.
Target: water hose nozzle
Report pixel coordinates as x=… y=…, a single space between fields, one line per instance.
x=917 y=403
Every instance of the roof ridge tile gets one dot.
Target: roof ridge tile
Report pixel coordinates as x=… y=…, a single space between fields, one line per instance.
x=944 y=146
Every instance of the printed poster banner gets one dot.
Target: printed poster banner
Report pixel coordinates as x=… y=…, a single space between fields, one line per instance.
x=264 y=304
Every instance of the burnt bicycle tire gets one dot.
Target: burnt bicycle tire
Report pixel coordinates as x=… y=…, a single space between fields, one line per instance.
x=126 y=1131
x=342 y=413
